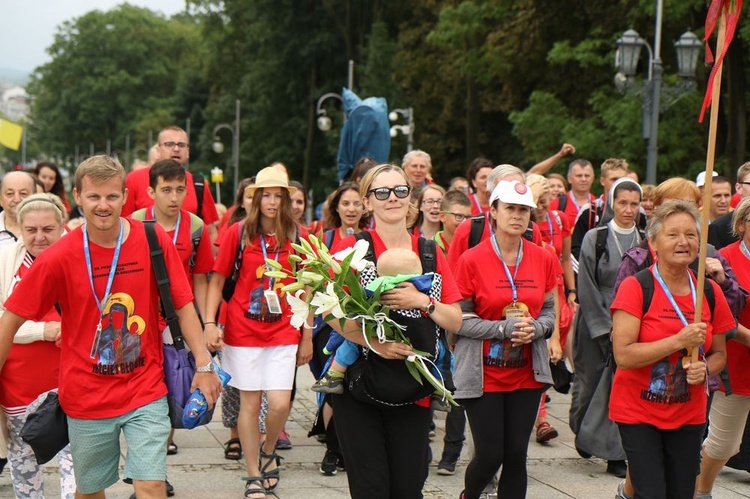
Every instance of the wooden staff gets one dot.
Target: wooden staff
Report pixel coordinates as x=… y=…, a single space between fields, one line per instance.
x=710 y=153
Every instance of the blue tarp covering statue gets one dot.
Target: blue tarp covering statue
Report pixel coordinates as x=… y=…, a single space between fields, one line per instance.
x=365 y=133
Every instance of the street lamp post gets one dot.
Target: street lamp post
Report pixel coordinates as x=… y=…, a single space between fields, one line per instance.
x=629 y=47
x=218 y=146
x=407 y=129
x=324 y=122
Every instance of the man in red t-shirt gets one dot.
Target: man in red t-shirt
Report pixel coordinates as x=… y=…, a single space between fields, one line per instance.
x=111 y=373
x=173 y=144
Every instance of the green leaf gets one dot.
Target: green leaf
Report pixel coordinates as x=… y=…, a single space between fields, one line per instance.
x=414 y=371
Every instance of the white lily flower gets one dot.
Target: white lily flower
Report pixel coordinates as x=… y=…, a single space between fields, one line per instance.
x=327 y=303
x=308 y=277
x=331 y=262
x=300 y=310
x=360 y=250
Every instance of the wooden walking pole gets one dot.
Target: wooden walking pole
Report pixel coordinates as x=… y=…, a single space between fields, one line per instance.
x=710 y=154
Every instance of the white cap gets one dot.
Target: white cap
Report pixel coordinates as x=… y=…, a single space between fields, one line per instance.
x=513 y=192
x=700 y=180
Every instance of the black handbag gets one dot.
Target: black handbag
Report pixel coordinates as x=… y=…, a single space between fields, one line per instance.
x=46 y=429
x=561 y=377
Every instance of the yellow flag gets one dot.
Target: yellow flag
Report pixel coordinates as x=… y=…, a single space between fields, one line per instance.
x=10 y=134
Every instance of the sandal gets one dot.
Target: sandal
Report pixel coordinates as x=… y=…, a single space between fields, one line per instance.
x=233 y=449
x=273 y=474
x=171 y=449
x=545 y=432
x=254 y=487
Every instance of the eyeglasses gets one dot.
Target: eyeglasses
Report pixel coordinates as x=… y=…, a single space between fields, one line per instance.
x=431 y=202
x=383 y=193
x=171 y=145
x=460 y=217
x=744 y=183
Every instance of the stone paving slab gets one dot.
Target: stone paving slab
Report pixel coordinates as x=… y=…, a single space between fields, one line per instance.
x=199 y=470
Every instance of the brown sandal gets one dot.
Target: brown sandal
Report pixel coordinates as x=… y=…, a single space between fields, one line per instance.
x=545 y=432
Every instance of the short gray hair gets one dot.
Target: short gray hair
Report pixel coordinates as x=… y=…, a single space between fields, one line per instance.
x=667 y=209
x=500 y=172
x=739 y=216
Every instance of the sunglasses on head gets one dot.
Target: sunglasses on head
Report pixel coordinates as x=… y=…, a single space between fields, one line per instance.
x=383 y=193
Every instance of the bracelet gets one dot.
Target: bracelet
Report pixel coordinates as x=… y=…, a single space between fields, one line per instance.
x=205 y=323
x=570 y=291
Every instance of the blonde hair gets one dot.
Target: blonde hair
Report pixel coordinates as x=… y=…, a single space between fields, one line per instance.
x=42 y=202
x=366 y=183
x=538 y=184
x=613 y=164
x=99 y=169
x=740 y=214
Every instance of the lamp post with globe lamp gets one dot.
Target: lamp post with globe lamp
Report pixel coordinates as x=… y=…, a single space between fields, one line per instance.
x=218 y=146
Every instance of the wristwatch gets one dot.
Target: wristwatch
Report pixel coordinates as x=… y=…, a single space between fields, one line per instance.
x=572 y=290
x=208 y=368
x=430 y=308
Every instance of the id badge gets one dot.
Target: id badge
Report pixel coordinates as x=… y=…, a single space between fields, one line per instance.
x=515 y=310
x=272 y=299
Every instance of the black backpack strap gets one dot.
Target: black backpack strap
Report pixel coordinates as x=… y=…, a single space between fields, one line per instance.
x=370 y=255
x=162 y=281
x=198 y=181
x=528 y=234
x=477 y=228
x=427 y=254
x=646 y=280
x=601 y=243
x=328 y=237
x=563 y=203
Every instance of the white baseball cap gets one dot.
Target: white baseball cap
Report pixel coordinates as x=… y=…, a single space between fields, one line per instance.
x=513 y=192
x=700 y=180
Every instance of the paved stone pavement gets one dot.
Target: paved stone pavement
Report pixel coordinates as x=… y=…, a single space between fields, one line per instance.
x=199 y=470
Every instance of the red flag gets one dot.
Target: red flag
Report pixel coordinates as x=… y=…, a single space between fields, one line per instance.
x=732 y=9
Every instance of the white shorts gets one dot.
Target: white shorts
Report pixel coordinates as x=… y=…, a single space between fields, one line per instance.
x=260 y=368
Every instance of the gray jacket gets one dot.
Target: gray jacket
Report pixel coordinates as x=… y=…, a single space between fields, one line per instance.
x=469 y=375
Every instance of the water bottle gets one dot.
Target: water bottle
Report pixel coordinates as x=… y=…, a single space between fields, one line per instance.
x=197 y=405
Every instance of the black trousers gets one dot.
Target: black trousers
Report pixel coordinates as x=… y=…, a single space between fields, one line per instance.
x=663 y=464
x=385 y=449
x=501 y=424
x=455 y=429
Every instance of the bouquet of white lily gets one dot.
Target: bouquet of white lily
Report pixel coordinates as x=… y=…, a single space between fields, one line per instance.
x=332 y=287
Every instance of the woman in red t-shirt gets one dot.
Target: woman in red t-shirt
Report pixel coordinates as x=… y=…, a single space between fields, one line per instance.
x=385 y=448
x=33 y=365
x=659 y=396
x=502 y=363
x=260 y=346
x=428 y=221
x=478 y=173
x=729 y=412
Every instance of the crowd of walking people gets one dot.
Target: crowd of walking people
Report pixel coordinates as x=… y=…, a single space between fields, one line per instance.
x=532 y=274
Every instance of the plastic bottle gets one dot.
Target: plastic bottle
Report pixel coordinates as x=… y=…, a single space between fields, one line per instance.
x=197 y=405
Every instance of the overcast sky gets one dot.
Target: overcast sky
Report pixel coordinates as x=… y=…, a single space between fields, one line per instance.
x=27 y=27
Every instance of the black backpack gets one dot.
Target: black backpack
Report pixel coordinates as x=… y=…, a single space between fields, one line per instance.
x=477 y=228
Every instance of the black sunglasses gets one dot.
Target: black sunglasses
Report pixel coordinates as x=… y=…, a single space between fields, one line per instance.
x=383 y=193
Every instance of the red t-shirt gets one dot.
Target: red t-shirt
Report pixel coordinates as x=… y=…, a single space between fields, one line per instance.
x=137 y=184
x=248 y=322
x=736 y=198
x=552 y=231
x=571 y=206
x=460 y=242
x=476 y=207
x=658 y=394
x=738 y=355
x=224 y=221
x=118 y=369
x=506 y=368
x=31 y=368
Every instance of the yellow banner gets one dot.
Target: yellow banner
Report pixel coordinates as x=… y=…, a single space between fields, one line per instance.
x=10 y=134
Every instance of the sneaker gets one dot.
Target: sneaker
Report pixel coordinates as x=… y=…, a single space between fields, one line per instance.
x=329 y=384
x=283 y=442
x=340 y=463
x=438 y=403
x=447 y=465
x=700 y=495
x=329 y=465
x=621 y=492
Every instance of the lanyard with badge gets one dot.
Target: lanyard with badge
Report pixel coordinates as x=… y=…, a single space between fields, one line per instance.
x=272 y=299
x=676 y=307
x=516 y=309
x=89 y=268
x=176 y=225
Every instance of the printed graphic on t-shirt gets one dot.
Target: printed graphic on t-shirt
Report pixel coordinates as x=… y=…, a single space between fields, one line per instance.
x=117 y=341
x=668 y=383
x=502 y=353
x=259 y=309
